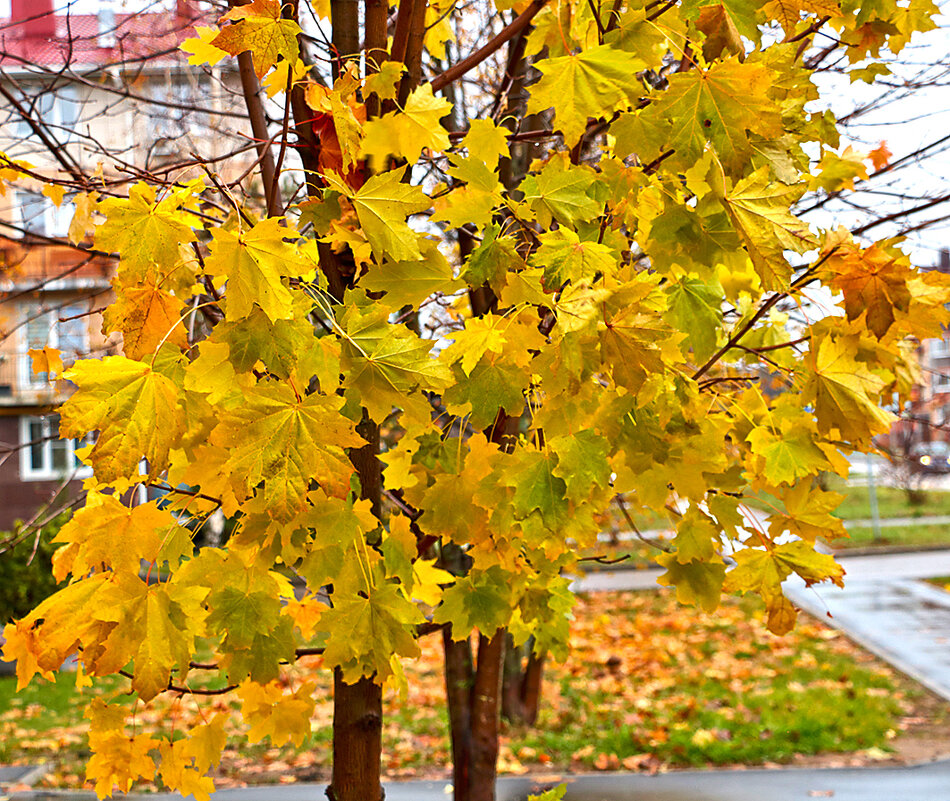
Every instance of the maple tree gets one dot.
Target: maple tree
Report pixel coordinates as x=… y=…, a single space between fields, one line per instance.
x=445 y=341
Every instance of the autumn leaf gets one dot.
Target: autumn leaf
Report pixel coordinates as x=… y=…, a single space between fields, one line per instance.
x=46 y=360
x=874 y=283
x=408 y=132
x=282 y=717
x=258 y=27
x=758 y=208
x=382 y=205
x=278 y=443
x=134 y=408
x=591 y=83
x=254 y=263
x=843 y=391
x=880 y=157
x=148 y=317
x=144 y=230
x=106 y=534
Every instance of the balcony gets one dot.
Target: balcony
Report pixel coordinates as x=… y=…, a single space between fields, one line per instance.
x=18 y=387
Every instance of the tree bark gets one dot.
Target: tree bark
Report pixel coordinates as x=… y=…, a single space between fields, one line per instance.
x=459 y=675
x=357 y=740
x=531 y=688
x=486 y=705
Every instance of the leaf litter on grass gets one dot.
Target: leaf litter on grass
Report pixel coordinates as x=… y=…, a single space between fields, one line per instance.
x=649 y=685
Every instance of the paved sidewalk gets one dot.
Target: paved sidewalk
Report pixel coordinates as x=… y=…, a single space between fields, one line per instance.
x=921 y=783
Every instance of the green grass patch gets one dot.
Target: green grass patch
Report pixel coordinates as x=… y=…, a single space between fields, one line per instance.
x=913 y=535
x=736 y=695
x=891 y=502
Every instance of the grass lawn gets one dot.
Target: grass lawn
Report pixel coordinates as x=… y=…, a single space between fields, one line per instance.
x=918 y=534
x=649 y=685
x=891 y=502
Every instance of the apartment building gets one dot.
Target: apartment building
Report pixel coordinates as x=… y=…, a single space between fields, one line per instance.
x=108 y=95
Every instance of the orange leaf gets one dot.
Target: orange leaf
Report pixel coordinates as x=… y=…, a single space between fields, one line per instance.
x=880 y=157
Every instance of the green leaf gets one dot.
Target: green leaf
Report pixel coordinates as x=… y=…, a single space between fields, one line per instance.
x=697 y=583
x=538 y=488
x=581 y=463
x=561 y=194
x=383 y=362
x=408 y=283
x=565 y=257
x=363 y=634
x=278 y=443
x=480 y=600
x=717 y=105
x=491 y=261
x=490 y=387
x=695 y=307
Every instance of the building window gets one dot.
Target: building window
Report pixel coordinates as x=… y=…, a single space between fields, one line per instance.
x=58 y=110
x=39 y=215
x=941 y=382
x=940 y=348
x=44 y=456
x=64 y=328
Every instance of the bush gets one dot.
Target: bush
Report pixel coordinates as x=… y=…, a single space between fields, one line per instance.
x=24 y=583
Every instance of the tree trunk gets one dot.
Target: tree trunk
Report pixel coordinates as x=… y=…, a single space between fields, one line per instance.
x=459 y=674
x=357 y=740
x=474 y=701
x=512 y=707
x=531 y=687
x=486 y=705
x=521 y=688
x=358 y=708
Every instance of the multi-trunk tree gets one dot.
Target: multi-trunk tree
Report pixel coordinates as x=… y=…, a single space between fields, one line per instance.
x=481 y=297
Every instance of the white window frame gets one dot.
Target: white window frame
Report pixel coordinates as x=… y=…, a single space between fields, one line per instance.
x=46 y=472
x=940 y=382
x=55 y=219
x=51 y=107
x=27 y=377
x=940 y=348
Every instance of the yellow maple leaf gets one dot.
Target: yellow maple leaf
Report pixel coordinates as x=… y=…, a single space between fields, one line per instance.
x=275 y=714
x=118 y=760
x=845 y=392
x=408 y=132
x=134 y=409
x=287 y=442
x=254 y=261
x=258 y=27
x=144 y=231
x=178 y=772
x=55 y=193
x=83 y=222
x=107 y=534
x=46 y=360
x=201 y=49
x=21 y=645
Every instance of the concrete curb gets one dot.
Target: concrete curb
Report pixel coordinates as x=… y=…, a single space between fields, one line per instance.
x=923 y=782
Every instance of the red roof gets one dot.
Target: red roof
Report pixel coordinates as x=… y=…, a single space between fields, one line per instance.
x=78 y=39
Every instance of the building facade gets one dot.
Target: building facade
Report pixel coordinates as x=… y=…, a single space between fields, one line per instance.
x=90 y=101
